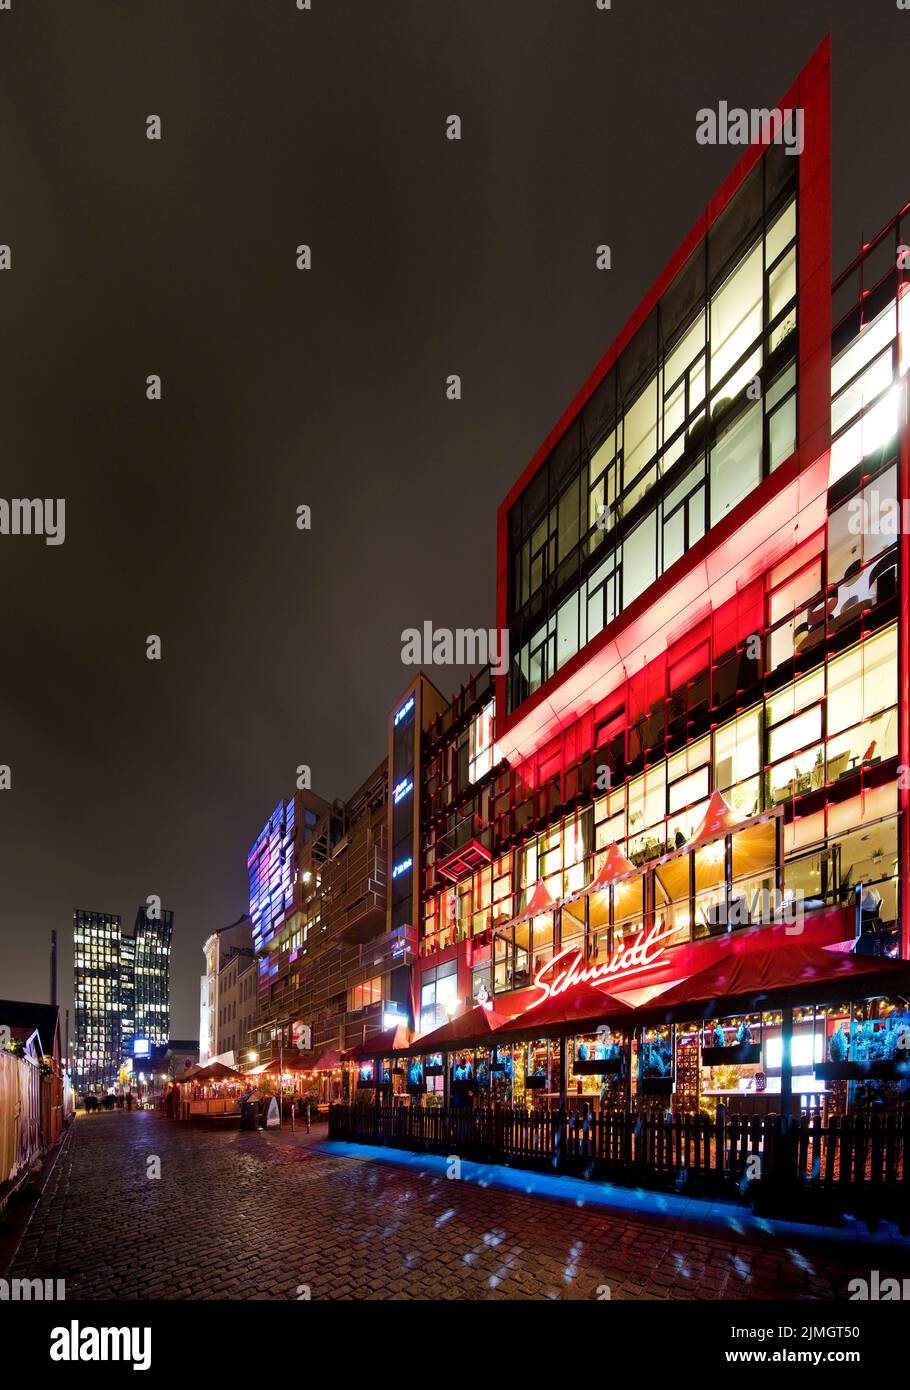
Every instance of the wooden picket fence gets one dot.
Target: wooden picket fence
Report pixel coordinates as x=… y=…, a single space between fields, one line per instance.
x=853 y=1158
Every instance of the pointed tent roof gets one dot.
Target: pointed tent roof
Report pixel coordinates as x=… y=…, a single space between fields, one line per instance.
x=541 y=900
x=215 y=1071
x=477 y=1025
x=615 y=866
x=719 y=819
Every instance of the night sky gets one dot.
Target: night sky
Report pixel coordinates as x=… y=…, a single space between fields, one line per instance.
x=326 y=388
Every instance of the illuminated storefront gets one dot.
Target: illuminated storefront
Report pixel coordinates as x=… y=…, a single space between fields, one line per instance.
x=699 y=739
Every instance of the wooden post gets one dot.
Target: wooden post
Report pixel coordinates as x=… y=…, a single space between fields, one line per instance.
x=784 y=1154
x=786 y=1062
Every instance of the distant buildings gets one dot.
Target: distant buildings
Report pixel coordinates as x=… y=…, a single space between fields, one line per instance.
x=122 y=990
x=97 y=971
x=220 y=949
x=236 y=1002
x=151 y=974
x=335 y=900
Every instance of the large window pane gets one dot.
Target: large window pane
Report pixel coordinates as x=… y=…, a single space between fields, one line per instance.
x=736 y=317
x=639 y=559
x=640 y=433
x=736 y=463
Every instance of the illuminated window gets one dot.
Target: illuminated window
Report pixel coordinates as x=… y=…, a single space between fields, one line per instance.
x=736 y=322
x=366 y=994
x=745 y=326
x=862 y=681
x=438 y=995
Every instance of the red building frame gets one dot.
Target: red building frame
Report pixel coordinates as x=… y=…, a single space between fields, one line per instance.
x=793 y=496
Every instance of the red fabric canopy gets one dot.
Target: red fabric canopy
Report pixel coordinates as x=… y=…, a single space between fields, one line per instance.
x=329 y=1061
x=615 y=866
x=541 y=900
x=474 y=1026
x=776 y=966
x=392 y=1040
x=719 y=819
x=579 y=1007
x=288 y=1063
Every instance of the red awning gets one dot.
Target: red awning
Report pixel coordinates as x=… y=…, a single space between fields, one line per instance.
x=329 y=1061
x=392 y=1040
x=476 y=1025
x=288 y=1063
x=770 y=968
x=719 y=819
x=578 y=1009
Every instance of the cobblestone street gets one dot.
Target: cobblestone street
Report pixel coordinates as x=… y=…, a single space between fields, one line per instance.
x=239 y=1215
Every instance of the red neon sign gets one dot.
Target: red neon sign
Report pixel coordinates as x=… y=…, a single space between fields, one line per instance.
x=627 y=960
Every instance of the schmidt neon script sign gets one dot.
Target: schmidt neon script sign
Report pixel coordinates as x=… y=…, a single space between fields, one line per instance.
x=643 y=954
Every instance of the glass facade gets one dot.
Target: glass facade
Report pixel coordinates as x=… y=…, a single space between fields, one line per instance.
x=152 y=935
x=700 y=406
x=97 y=977
x=122 y=988
x=786 y=698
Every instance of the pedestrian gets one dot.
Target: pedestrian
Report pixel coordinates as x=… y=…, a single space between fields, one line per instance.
x=129 y=1100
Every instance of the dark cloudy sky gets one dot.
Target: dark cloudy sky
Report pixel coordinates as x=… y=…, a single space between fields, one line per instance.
x=130 y=257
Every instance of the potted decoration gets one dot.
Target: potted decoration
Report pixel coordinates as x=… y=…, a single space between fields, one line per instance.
x=741 y=1052
x=656 y=1077
x=837 y=1067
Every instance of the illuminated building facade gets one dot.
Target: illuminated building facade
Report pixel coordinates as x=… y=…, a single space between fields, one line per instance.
x=237 y=1003
x=297 y=830
x=127 y=993
x=705 y=716
x=151 y=978
x=96 y=977
x=122 y=990
x=337 y=967
x=219 y=948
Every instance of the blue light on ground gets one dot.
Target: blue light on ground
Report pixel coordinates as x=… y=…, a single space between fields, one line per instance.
x=706 y=1214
